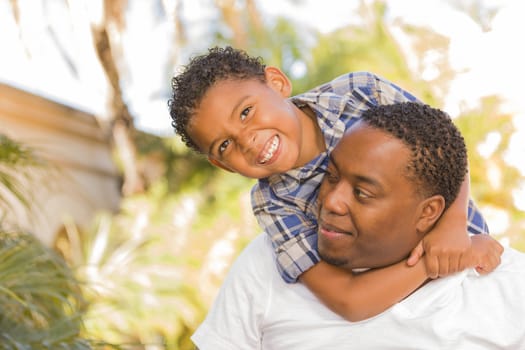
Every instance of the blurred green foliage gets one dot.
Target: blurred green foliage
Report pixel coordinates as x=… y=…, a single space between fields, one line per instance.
x=41 y=301
x=150 y=272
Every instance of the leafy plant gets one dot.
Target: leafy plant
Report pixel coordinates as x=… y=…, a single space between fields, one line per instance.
x=40 y=299
x=19 y=167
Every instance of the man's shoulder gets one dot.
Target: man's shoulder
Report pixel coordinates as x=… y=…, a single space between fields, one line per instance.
x=258 y=245
x=512 y=260
x=255 y=256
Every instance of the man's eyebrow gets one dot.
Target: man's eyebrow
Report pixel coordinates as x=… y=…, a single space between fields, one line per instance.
x=235 y=107
x=361 y=178
x=368 y=180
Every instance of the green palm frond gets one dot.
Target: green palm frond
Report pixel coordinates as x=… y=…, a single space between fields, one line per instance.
x=19 y=166
x=40 y=299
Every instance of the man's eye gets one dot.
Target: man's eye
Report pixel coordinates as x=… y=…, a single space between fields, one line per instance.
x=359 y=193
x=245 y=113
x=223 y=146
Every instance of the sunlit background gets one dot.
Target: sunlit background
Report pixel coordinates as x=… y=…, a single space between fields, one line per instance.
x=151 y=264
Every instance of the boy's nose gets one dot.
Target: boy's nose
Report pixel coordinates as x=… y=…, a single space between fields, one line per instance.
x=247 y=140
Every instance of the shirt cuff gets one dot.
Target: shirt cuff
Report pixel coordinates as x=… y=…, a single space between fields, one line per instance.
x=296 y=256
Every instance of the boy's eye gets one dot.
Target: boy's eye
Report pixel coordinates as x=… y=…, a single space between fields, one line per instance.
x=223 y=146
x=245 y=113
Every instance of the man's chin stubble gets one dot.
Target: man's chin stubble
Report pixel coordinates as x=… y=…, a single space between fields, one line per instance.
x=333 y=260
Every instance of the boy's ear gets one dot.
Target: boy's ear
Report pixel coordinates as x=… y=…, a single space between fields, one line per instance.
x=278 y=81
x=429 y=213
x=219 y=164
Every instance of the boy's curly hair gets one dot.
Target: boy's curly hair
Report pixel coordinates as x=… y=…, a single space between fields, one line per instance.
x=202 y=72
x=439 y=156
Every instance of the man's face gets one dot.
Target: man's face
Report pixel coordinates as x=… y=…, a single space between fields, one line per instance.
x=250 y=127
x=368 y=208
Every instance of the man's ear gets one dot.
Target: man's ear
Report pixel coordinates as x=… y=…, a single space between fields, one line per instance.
x=278 y=81
x=430 y=211
x=219 y=164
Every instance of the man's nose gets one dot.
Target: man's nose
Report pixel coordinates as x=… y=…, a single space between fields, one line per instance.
x=336 y=200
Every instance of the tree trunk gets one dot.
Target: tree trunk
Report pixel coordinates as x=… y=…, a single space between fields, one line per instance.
x=122 y=128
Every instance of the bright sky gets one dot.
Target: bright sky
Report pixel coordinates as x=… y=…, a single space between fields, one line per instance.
x=492 y=62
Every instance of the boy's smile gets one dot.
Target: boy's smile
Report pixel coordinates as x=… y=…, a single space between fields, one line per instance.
x=250 y=127
x=269 y=153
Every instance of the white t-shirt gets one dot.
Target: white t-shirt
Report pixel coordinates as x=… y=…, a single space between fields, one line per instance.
x=255 y=309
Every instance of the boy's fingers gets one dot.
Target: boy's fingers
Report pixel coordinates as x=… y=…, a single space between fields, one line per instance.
x=494 y=262
x=490 y=264
x=481 y=270
x=432 y=264
x=443 y=267
x=416 y=254
x=454 y=264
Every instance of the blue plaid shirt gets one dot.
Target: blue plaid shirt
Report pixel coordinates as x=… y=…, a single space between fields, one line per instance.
x=285 y=205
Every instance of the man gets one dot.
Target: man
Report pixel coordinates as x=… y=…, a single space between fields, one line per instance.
x=398 y=169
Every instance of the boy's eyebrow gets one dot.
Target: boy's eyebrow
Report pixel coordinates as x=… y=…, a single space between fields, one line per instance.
x=235 y=107
x=212 y=146
x=239 y=103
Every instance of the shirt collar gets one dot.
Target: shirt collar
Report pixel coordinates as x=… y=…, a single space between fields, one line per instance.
x=328 y=108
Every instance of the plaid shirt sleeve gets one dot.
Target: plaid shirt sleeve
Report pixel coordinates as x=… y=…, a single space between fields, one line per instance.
x=476 y=222
x=291 y=224
x=378 y=91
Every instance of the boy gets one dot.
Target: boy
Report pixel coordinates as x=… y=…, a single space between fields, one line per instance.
x=239 y=113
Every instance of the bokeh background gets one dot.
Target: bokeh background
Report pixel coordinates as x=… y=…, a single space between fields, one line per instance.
x=142 y=270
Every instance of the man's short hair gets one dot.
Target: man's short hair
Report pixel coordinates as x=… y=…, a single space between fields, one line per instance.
x=202 y=72
x=438 y=163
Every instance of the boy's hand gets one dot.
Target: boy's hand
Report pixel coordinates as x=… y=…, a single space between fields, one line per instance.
x=443 y=249
x=484 y=254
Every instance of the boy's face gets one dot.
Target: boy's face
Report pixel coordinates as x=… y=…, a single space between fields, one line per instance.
x=368 y=208
x=250 y=127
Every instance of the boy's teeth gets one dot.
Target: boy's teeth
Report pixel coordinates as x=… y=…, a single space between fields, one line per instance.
x=271 y=150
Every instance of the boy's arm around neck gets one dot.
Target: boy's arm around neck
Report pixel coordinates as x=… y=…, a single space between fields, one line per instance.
x=448 y=249
x=358 y=296
x=448 y=240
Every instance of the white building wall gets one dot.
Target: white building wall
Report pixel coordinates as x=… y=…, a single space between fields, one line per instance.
x=85 y=180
